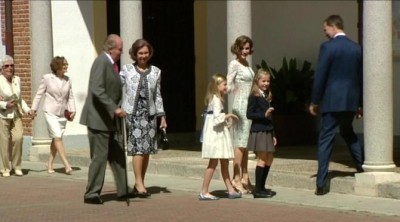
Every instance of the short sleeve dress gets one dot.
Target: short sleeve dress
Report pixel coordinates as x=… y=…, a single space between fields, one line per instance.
x=217 y=143
x=239 y=80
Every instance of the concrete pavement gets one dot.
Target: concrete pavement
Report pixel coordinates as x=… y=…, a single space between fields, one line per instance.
x=38 y=196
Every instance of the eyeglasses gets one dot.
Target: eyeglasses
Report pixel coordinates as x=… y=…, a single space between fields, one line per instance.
x=8 y=65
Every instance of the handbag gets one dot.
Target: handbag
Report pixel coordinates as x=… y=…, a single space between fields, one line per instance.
x=67 y=115
x=164 y=139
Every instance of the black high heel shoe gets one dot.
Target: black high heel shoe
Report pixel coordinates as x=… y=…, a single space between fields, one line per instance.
x=144 y=194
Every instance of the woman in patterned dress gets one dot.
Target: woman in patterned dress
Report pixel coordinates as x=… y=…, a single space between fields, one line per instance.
x=143 y=104
x=240 y=76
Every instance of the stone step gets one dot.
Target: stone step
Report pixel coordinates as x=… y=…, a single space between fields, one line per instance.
x=290 y=173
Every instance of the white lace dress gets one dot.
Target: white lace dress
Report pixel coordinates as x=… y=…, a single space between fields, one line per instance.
x=239 y=81
x=217 y=143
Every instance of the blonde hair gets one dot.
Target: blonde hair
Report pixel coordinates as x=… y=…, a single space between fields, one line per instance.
x=212 y=88
x=255 y=90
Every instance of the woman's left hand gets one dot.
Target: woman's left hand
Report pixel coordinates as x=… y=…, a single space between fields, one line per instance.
x=163 y=123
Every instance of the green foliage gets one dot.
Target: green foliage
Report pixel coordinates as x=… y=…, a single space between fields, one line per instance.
x=290 y=86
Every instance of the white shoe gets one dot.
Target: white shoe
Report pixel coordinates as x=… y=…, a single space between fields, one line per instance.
x=19 y=173
x=6 y=174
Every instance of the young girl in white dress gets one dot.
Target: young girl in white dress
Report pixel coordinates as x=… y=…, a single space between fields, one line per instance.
x=217 y=144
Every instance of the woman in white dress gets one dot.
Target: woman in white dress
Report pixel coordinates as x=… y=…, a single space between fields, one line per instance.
x=240 y=76
x=217 y=144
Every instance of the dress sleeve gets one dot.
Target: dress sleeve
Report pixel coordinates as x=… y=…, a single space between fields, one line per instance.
x=218 y=116
x=232 y=71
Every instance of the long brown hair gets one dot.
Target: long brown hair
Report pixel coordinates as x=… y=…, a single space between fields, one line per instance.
x=212 y=88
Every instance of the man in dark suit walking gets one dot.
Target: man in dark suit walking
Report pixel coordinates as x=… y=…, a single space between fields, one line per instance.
x=100 y=114
x=338 y=87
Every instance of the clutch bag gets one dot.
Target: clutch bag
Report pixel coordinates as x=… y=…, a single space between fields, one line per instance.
x=67 y=115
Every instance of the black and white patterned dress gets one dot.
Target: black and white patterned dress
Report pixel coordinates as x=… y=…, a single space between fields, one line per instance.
x=142 y=127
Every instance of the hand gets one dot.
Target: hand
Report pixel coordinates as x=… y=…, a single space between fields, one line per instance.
x=313 y=109
x=275 y=141
x=10 y=104
x=269 y=111
x=163 y=123
x=231 y=116
x=32 y=114
x=120 y=112
x=359 y=113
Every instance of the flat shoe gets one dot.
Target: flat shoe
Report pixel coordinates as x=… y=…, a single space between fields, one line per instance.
x=18 y=172
x=268 y=191
x=262 y=195
x=204 y=197
x=50 y=171
x=6 y=174
x=234 y=195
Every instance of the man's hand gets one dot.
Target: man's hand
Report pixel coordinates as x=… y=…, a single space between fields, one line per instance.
x=313 y=109
x=120 y=112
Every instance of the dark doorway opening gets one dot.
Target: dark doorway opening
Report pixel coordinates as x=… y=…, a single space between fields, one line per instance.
x=169 y=27
x=113 y=22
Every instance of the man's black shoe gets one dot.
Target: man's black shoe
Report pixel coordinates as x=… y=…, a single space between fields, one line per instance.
x=93 y=200
x=321 y=191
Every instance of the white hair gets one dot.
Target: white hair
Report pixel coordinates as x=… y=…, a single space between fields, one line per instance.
x=6 y=58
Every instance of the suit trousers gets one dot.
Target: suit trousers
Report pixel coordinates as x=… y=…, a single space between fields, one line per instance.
x=329 y=123
x=11 y=136
x=104 y=145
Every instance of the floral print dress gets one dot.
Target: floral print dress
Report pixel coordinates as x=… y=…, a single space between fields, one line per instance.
x=142 y=130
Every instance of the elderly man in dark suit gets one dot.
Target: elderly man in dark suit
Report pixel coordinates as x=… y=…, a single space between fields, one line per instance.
x=338 y=86
x=100 y=113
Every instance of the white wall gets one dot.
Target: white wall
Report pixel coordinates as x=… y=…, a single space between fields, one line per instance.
x=72 y=38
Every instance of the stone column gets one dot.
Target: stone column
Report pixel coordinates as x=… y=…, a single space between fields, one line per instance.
x=238 y=23
x=378 y=98
x=41 y=55
x=131 y=26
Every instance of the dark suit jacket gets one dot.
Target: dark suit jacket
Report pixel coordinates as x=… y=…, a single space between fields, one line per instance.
x=256 y=108
x=104 y=96
x=338 y=78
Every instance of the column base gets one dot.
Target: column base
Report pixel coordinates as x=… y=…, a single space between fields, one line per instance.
x=367 y=183
x=39 y=146
x=379 y=168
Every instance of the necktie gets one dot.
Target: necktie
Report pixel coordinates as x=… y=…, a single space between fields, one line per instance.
x=116 y=68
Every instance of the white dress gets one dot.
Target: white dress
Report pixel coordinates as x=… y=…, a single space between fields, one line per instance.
x=239 y=81
x=217 y=143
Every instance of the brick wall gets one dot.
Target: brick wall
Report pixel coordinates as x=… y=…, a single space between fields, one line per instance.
x=22 y=49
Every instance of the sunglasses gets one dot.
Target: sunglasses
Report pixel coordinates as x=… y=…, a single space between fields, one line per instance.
x=8 y=65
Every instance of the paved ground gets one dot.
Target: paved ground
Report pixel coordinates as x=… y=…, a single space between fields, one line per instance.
x=38 y=196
